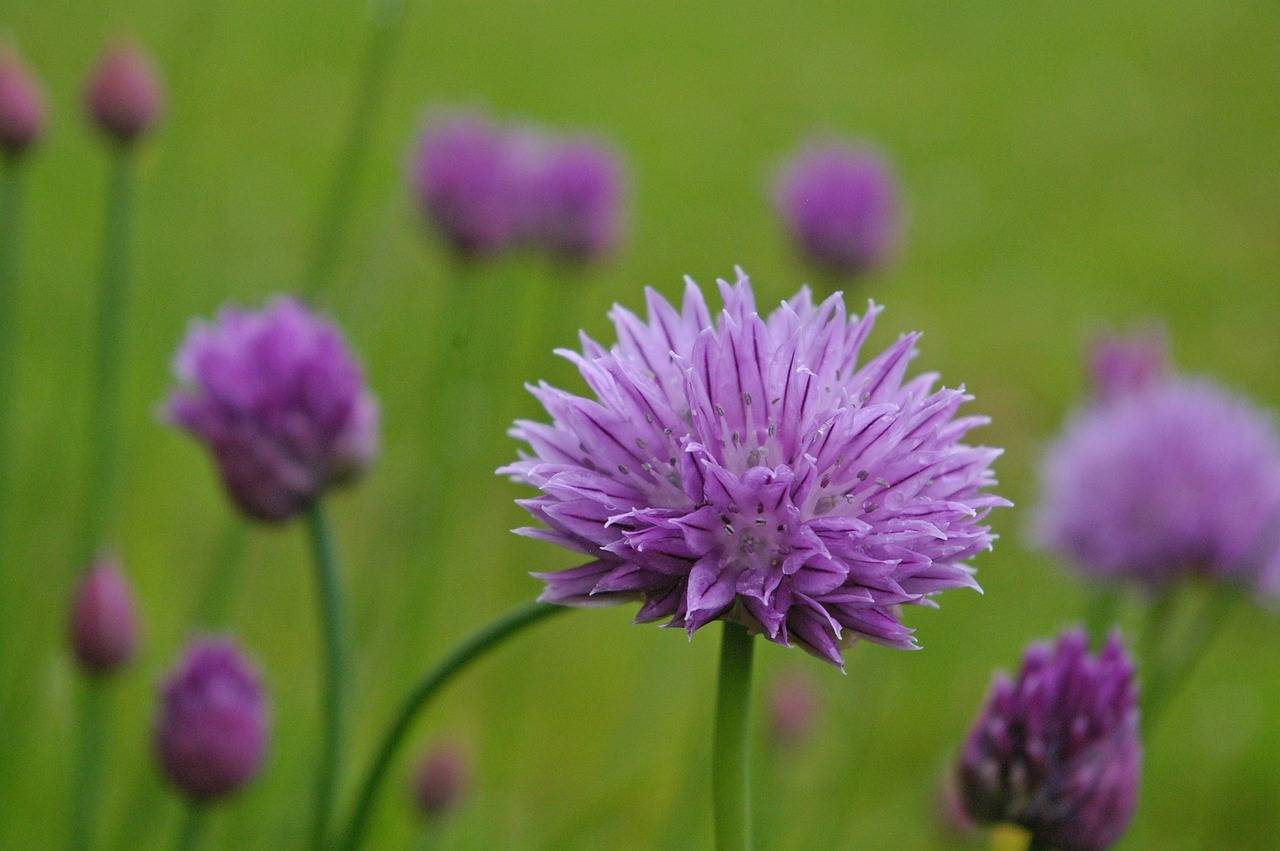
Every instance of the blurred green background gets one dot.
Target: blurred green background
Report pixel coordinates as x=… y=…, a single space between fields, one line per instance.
x=1066 y=166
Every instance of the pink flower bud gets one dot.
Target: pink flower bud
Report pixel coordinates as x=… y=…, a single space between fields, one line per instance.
x=104 y=628
x=123 y=96
x=441 y=779
x=22 y=115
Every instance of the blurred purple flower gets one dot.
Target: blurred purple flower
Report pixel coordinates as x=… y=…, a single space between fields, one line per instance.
x=749 y=469
x=575 y=201
x=470 y=184
x=1180 y=478
x=840 y=205
x=441 y=779
x=104 y=626
x=22 y=107
x=211 y=731
x=124 y=97
x=793 y=709
x=1122 y=365
x=1057 y=750
x=280 y=403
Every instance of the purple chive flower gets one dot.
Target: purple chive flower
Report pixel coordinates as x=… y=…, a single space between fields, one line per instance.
x=793 y=710
x=1123 y=365
x=211 y=731
x=440 y=780
x=281 y=404
x=22 y=109
x=1180 y=478
x=469 y=182
x=575 y=201
x=840 y=205
x=123 y=97
x=750 y=469
x=104 y=626
x=1057 y=750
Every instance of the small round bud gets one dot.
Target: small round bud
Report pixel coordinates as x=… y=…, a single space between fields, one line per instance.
x=793 y=710
x=1123 y=365
x=22 y=109
x=124 y=97
x=211 y=732
x=104 y=627
x=575 y=201
x=441 y=779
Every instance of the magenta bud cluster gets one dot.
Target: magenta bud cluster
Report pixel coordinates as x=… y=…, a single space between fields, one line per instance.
x=124 y=97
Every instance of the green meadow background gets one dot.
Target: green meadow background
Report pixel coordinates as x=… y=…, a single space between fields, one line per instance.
x=1066 y=166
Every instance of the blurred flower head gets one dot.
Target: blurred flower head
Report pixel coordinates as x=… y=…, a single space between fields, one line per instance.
x=104 y=626
x=124 y=97
x=469 y=182
x=279 y=401
x=441 y=779
x=1179 y=478
x=1056 y=750
x=793 y=709
x=749 y=468
x=211 y=731
x=575 y=201
x=22 y=107
x=1121 y=365
x=840 y=205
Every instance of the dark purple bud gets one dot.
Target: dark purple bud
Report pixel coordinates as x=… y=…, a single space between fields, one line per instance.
x=123 y=96
x=793 y=710
x=441 y=779
x=281 y=404
x=1057 y=750
x=470 y=184
x=575 y=201
x=1123 y=365
x=22 y=109
x=104 y=627
x=840 y=205
x=211 y=731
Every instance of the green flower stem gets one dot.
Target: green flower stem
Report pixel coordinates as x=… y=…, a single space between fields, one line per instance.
x=88 y=763
x=1170 y=672
x=366 y=107
x=470 y=650
x=332 y=623
x=1100 y=613
x=10 y=209
x=192 y=828
x=731 y=775
x=104 y=414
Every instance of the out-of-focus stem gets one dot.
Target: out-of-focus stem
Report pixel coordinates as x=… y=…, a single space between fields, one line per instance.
x=10 y=207
x=89 y=763
x=332 y=623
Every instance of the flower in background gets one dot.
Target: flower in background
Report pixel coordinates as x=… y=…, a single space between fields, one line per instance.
x=840 y=206
x=124 y=97
x=279 y=401
x=1057 y=750
x=22 y=107
x=793 y=709
x=1177 y=476
x=211 y=731
x=1122 y=365
x=440 y=780
x=470 y=184
x=575 y=201
x=749 y=469
x=104 y=625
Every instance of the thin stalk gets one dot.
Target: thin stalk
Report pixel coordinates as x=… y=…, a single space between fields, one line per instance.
x=333 y=669
x=731 y=775
x=104 y=414
x=470 y=650
x=214 y=598
x=365 y=109
x=192 y=828
x=1100 y=613
x=89 y=763
x=10 y=208
x=1172 y=674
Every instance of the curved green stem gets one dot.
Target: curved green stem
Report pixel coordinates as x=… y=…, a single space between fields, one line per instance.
x=731 y=774
x=470 y=650
x=89 y=763
x=365 y=108
x=334 y=669
x=192 y=828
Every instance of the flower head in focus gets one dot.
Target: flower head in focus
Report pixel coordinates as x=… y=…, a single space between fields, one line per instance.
x=211 y=730
x=124 y=97
x=279 y=401
x=840 y=206
x=752 y=468
x=1057 y=749
x=22 y=106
